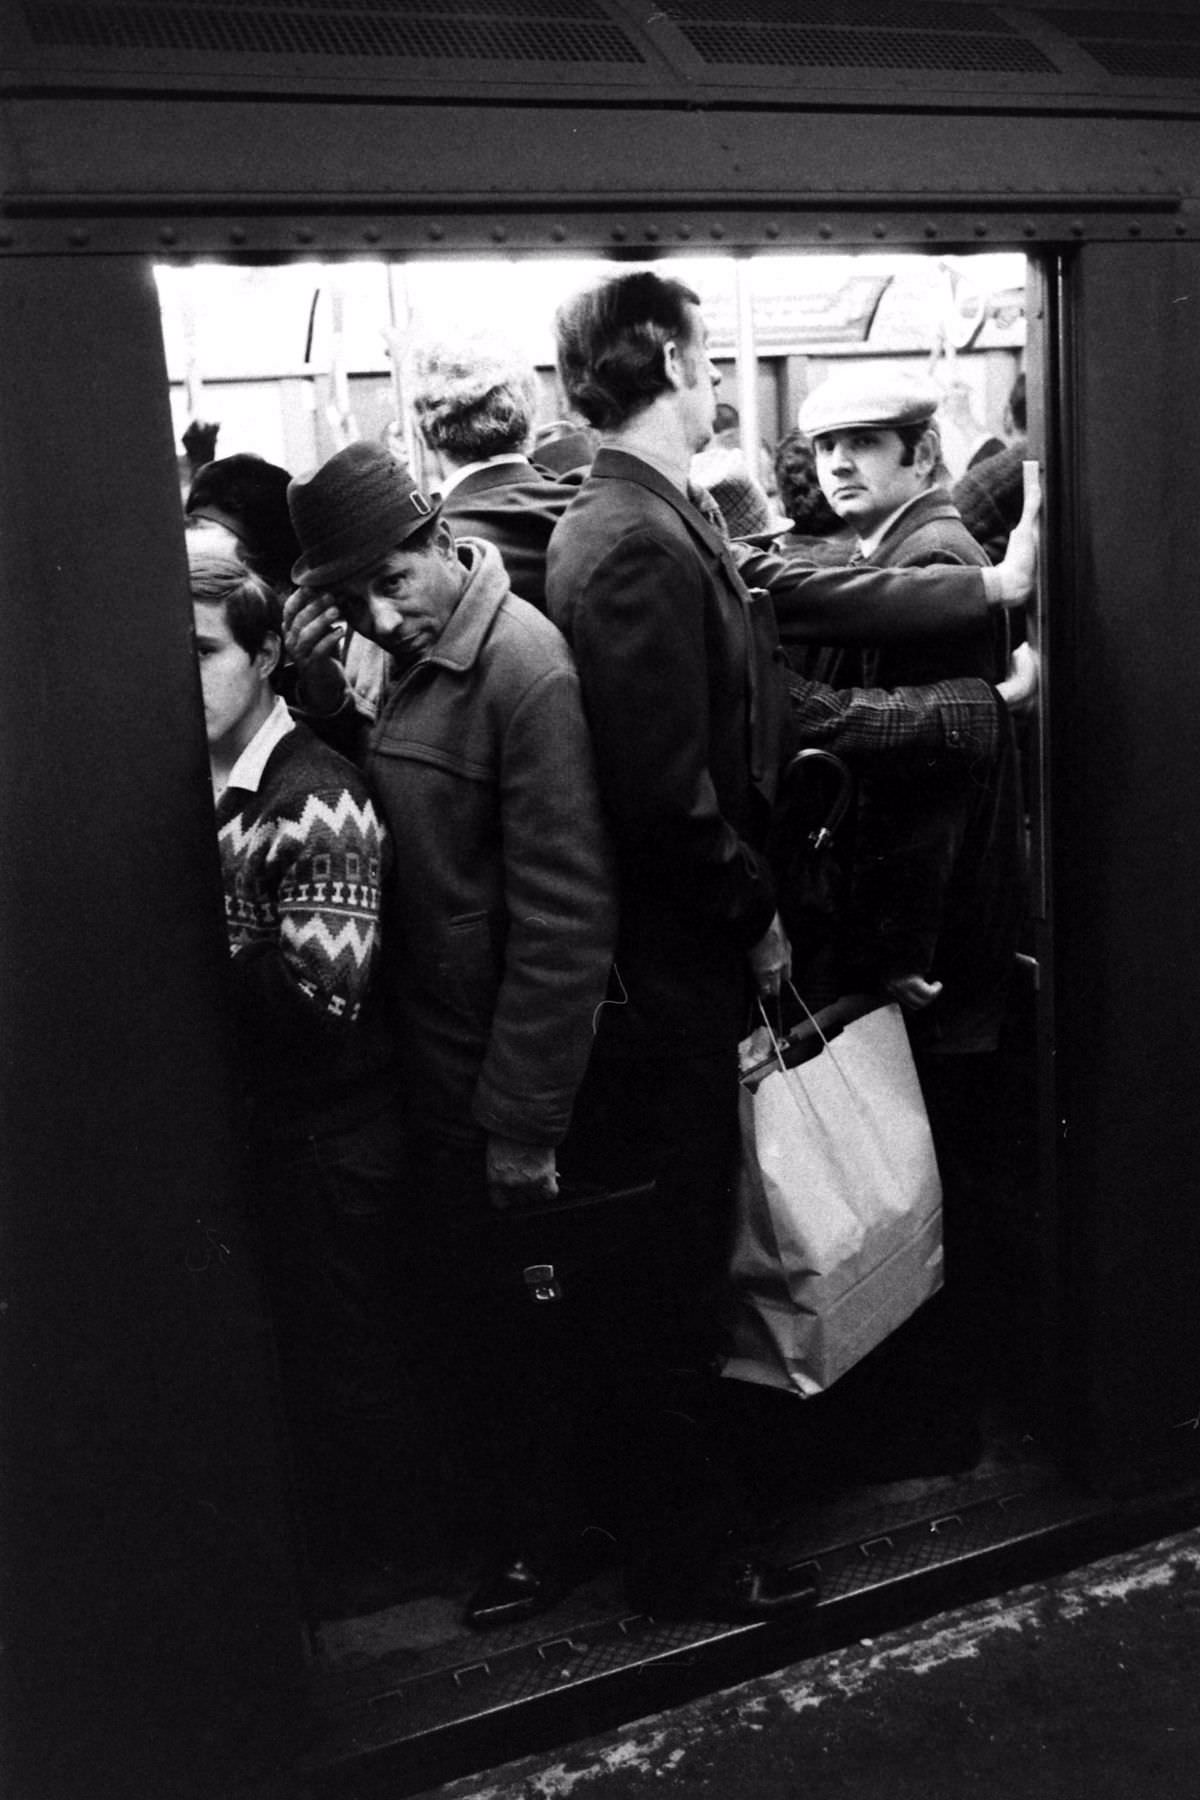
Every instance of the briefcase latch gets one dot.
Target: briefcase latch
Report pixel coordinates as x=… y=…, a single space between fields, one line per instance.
x=541 y=1282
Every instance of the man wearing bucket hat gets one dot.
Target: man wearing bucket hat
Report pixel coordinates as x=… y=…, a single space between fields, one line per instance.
x=498 y=923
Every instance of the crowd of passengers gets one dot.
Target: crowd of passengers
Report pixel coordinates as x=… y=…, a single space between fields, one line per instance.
x=510 y=851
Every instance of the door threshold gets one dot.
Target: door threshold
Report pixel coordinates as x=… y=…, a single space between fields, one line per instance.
x=407 y=1718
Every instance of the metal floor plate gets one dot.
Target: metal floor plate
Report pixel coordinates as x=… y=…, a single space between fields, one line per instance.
x=447 y=1706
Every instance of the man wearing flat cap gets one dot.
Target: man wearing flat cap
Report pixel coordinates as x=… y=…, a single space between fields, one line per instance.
x=499 y=921
x=938 y=891
x=923 y=884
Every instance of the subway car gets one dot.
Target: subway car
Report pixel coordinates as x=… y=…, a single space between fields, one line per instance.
x=160 y=1635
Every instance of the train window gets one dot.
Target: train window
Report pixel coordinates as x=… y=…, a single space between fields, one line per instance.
x=293 y=362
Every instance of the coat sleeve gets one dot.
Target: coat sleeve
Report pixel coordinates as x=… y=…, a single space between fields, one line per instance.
x=560 y=901
x=957 y=723
x=862 y=605
x=640 y=641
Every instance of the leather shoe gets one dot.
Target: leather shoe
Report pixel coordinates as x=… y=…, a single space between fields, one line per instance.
x=528 y=1585
x=516 y=1591
x=744 y=1587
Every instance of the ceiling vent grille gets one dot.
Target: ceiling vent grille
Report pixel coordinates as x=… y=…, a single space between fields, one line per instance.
x=1142 y=27
x=842 y=14
x=814 y=46
x=564 y=33
x=1140 y=46
x=1180 y=62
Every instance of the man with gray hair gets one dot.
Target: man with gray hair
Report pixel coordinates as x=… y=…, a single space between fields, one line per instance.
x=475 y=402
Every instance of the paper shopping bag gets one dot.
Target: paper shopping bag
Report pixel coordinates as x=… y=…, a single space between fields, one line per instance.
x=838 y=1218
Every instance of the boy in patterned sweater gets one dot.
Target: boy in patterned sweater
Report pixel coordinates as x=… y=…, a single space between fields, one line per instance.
x=302 y=851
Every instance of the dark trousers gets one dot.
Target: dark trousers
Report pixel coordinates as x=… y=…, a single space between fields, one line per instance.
x=326 y=1212
x=672 y=1117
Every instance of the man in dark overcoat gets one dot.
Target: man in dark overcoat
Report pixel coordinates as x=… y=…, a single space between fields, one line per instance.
x=676 y=644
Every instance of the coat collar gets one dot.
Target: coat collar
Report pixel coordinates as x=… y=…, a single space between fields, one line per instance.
x=932 y=506
x=481 y=477
x=621 y=465
x=472 y=619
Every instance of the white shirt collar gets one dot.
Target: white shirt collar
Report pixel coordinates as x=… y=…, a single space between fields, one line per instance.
x=489 y=462
x=247 y=771
x=869 y=545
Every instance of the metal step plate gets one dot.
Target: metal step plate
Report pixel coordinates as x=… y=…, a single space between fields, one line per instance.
x=407 y=1717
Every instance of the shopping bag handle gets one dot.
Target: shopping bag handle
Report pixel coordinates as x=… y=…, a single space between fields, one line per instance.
x=788 y=1059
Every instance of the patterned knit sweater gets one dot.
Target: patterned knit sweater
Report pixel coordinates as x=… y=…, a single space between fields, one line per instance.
x=302 y=867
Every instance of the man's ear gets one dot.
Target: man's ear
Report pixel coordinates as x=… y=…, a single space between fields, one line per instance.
x=928 y=453
x=268 y=658
x=673 y=367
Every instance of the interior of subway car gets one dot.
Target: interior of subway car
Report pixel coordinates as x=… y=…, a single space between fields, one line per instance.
x=291 y=363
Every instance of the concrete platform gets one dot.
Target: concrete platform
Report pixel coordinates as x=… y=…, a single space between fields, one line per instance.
x=1086 y=1685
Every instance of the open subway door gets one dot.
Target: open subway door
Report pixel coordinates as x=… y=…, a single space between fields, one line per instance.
x=154 y=1636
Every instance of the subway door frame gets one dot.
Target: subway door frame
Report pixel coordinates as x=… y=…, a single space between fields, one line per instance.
x=1126 y=866
x=152 y=1634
